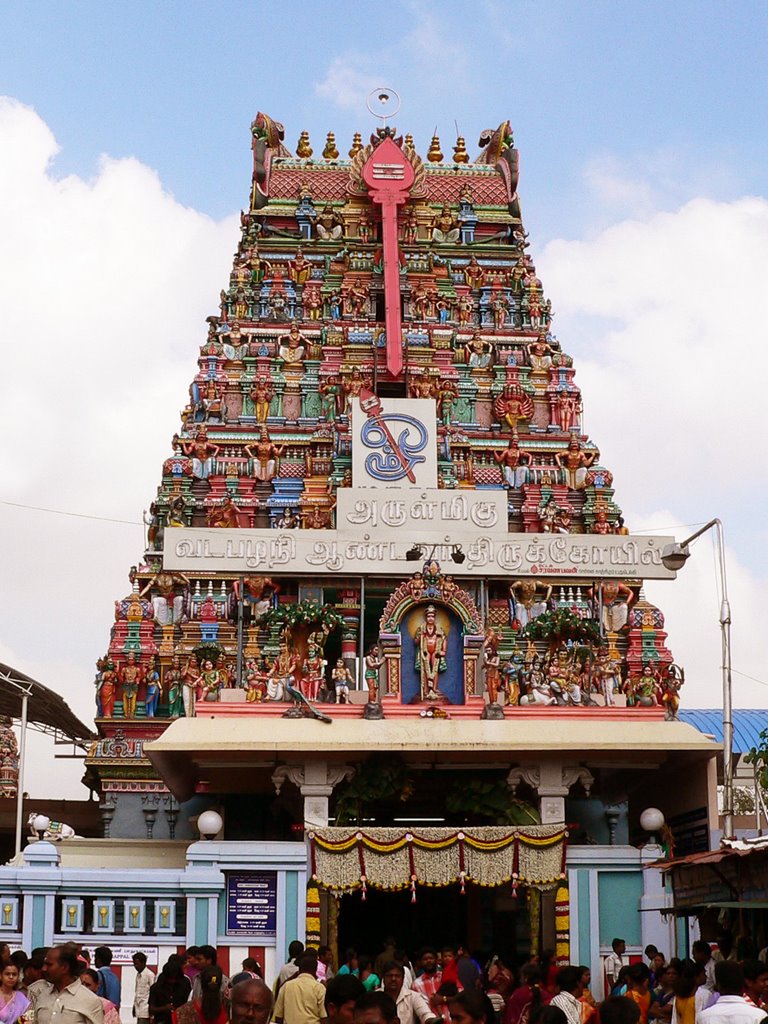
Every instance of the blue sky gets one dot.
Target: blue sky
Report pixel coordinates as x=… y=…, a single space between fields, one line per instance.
x=678 y=88
x=125 y=157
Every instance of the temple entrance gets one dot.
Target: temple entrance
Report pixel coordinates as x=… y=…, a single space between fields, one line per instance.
x=487 y=920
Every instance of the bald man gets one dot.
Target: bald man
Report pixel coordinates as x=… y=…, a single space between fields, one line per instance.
x=250 y=1002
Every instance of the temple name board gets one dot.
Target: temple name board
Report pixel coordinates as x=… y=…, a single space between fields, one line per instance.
x=430 y=508
x=347 y=552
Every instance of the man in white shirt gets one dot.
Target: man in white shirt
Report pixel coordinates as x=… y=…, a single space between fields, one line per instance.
x=702 y=955
x=570 y=989
x=613 y=964
x=67 y=999
x=144 y=980
x=731 y=1007
x=411 y=1006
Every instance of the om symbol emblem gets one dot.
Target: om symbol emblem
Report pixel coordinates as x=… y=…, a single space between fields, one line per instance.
x=394 y=457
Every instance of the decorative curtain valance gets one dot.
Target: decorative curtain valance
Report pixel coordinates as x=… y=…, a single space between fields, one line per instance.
x=344 y=859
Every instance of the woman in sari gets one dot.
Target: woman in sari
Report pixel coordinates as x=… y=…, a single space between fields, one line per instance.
x=90 y=979
x=12 y=1002
x=211 y=1007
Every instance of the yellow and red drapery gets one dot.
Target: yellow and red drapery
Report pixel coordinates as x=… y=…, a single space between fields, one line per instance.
x=345 y=859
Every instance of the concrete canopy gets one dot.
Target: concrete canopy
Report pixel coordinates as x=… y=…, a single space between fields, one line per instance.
x=216 y=753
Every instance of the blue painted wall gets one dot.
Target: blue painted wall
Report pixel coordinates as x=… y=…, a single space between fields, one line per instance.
x=619 y=894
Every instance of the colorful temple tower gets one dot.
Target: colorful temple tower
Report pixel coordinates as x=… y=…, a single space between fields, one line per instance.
x=384 y=550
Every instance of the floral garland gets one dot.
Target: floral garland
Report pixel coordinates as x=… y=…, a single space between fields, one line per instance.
x=345 y=859
x=313 y=914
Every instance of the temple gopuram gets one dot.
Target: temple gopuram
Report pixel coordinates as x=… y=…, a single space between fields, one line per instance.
x=389 y=625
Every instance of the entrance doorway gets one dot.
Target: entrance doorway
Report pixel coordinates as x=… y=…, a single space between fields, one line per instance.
x=486 y=920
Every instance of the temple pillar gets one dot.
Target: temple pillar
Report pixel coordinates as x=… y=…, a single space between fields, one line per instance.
x=316 y=781
x=552 y=782
x=348 y=606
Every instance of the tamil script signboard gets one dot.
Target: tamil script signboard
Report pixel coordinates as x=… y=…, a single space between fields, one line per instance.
x=252 y=904
x=382 y=549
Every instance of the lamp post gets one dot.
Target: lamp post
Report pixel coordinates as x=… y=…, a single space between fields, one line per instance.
x=674 y=556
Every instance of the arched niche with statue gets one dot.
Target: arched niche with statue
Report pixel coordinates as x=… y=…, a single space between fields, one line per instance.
x=430 y=635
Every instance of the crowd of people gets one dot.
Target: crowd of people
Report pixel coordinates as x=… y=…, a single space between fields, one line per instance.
x=58 y=985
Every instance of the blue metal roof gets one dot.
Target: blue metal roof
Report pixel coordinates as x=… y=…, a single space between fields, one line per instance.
x=747 y=725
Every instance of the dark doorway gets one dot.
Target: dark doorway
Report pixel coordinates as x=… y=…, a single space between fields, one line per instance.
x=438 y=916
x=487 y=920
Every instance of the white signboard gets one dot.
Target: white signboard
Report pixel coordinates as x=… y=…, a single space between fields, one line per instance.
x=358 y=509
x=394 y=442
x=382 y=550
x=123 y=955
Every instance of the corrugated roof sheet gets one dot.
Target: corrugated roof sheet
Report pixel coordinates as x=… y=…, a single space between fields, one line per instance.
x=747 y=725
x=46 y=708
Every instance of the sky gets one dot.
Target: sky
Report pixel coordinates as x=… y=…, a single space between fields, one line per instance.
x=125 y=159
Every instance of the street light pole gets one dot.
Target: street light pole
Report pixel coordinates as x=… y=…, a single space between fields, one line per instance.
x=674 y=557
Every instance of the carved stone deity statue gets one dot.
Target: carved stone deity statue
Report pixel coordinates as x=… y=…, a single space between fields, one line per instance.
x=173 y=680
x=525 y=601
x=491 y=663
x=445 y=227
x=514 y=463
x=431 y=649
x=292 y=346
x=373 y=663
x=282 y=674
x=210 y=682
x=313 y=672
x=130 y=675
x=329 y=225
x=266 y=456
x=261 y=395
x=203 y=454
x=575 y=462
x=9 y=759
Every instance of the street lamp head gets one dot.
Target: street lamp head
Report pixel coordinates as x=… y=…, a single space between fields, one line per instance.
x=413 y=554
x=209 y=824
x=674 y=556
x=651 y=819
x=40 y=824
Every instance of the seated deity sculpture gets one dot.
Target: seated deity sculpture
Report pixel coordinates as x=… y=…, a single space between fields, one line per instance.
x=282 y=674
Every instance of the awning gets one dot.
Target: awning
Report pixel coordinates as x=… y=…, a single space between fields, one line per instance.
x=706 y=857
x=344 y=859
x=46 y=710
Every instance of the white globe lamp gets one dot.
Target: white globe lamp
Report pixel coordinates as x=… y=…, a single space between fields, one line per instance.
x=651 y=821
x=209 y=824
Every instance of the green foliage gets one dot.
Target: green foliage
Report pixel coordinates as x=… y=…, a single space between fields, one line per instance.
x=304 y=613
x=490 y=798
x=758 y=756
x=381 y=777
x=561 y=625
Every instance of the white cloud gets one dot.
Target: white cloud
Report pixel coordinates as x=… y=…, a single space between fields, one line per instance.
x=347 y=83
x=667 y=319
x=104 y=287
